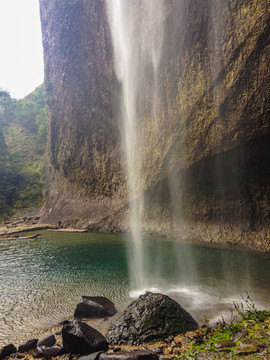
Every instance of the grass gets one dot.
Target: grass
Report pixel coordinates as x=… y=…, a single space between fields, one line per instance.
x=246 y=319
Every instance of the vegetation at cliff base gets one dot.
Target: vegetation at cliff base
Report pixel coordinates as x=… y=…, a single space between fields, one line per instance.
x=246 y=334
x=23 y=133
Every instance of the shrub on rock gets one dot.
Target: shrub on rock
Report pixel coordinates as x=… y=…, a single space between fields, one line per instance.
x=152 y=317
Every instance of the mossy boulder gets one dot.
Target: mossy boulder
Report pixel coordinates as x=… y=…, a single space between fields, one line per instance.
x=152 y=317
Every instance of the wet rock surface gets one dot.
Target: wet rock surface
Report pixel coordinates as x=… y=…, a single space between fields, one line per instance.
x=94 y=307
x=7 y=351
x=47 y=341
x=152 y=317
x=132 y=355
x=48 y=352
x=93 y=356
x=80 y=338
x=28 y=345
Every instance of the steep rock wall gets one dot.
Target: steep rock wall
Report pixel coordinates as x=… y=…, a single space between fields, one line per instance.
x=84 y=154
x=212 y=131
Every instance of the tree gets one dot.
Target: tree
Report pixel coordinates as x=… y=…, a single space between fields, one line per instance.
x=7 y=107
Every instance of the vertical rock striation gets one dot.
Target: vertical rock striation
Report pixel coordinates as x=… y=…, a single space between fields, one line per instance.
x=208 y=147
x=84 y=167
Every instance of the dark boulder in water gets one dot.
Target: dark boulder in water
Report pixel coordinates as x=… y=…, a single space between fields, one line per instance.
x=80 y=338
x=29 y=345
x=7 y=351
x=94 y=307
x=47 y=341
x=152 y=317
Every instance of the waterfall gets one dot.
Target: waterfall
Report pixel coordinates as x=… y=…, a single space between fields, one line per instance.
x=137 y=35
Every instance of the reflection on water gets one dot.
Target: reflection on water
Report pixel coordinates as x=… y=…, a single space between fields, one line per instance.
x=42 y=280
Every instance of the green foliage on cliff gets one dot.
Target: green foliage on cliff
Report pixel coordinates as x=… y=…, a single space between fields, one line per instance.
x=23 y=133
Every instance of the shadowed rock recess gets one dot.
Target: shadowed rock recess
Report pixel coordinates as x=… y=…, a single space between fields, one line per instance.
x=211 y=132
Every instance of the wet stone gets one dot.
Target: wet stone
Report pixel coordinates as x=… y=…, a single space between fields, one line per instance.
x=28 y=345
x=157 y=350
x=93 y=356
x=261 y=334
x=224 y=344
x=223 y=357
x=207 y=355
x=47 y=341
x=94 y=307
x=254 y=342
x=133 y=355
x=80 y=338
x=246 y=349
x=7 y=351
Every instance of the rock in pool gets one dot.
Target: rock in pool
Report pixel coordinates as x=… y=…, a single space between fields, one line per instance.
x=94 y=307
x=29 y=345
x=7 y=351
x=152 y=317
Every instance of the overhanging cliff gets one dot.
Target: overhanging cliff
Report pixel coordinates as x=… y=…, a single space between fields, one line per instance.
x=212 y=131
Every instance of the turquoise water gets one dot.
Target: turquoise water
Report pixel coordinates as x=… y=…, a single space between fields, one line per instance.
x=41 y=280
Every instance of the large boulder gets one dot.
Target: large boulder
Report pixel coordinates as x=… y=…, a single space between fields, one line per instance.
x=80 y=338
x=152 y=317
x=94 y=307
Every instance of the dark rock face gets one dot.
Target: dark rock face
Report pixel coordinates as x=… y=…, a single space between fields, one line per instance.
x=152 y=317
x=29 y=345
x=214 y=78
x=133 y=355
x=94 y=307
x=48 y=352
x=80 y=338
x=80 y=99
x=7 y=351
x=48 y=341
x=93 y=356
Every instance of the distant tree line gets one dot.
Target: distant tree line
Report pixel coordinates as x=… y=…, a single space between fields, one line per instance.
x=29 y=112
x=21 y=185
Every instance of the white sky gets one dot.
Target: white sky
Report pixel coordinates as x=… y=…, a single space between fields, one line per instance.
x=21 y=58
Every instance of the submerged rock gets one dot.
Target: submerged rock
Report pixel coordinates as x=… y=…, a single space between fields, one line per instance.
x=152 y=317
x=80 y=338
x=94 y=307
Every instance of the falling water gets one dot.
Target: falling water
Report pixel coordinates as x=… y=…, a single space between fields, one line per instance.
x=137 y=50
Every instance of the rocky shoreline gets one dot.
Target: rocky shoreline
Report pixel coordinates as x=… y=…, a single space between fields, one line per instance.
x=153 y=327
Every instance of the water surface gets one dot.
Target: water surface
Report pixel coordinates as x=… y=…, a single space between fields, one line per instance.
x=41 y=280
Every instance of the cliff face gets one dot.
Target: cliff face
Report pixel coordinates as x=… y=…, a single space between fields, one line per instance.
x=209 y=144
x=84 y=161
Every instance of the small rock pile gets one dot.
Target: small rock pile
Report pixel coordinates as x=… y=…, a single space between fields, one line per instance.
x=152 y=316
x=139 y=334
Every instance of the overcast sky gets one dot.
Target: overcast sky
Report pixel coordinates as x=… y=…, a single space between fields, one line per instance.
x=21 y=59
